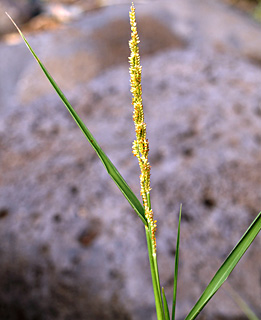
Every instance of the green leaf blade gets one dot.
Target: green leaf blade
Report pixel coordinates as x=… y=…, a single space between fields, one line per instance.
x=165 y=304
x=227 y=267
x=155 y=278
x=111 y=169
x=176 y=269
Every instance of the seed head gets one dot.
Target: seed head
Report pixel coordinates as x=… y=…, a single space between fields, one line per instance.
x=140 y=146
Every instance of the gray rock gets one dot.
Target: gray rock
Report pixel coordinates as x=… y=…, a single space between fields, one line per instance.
x=71 y=247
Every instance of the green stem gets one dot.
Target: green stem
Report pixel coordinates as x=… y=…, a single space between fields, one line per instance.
x=156 y=271
x=155 y=277
x=154 y=256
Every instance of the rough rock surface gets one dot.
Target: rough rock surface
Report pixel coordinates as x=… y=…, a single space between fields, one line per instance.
x=70 y=245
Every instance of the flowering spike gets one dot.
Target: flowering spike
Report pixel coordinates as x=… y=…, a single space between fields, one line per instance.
x=140 y=146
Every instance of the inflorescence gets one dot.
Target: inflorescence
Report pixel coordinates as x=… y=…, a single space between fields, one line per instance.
x=140 y=147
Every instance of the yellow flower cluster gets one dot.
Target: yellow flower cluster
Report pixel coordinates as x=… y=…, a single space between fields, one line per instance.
x=140 y=147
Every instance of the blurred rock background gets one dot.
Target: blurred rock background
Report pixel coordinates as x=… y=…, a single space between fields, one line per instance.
x=70 y=245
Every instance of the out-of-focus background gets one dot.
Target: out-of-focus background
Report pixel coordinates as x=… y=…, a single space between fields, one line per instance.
x=70 y=245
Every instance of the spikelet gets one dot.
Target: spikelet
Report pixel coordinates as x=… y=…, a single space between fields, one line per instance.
x=140 y=146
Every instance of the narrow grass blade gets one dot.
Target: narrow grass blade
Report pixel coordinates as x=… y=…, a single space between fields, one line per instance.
x=176 y=269
x=227 y=267
x=112 y=171
x=165 y=304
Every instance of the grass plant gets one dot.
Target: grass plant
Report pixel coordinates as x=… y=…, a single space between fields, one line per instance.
x=140 y=149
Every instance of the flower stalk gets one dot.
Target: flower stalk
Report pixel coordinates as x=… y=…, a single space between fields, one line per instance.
x=140 y=149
